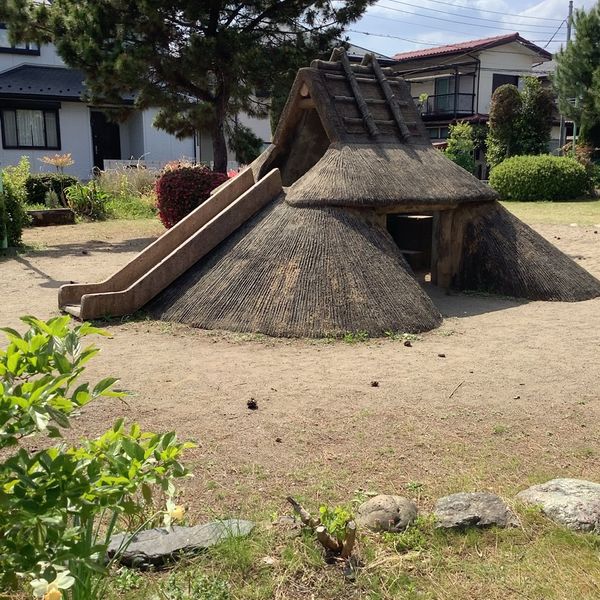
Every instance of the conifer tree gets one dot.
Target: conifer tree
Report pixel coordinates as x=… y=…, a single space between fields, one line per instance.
x=577 y=76
x=201 y=62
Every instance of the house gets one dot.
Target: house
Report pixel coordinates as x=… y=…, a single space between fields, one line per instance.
x=42 y=112
x=456 y=82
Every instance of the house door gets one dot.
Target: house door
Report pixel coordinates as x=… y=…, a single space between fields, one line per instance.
x=106 y=138
x=444 y=95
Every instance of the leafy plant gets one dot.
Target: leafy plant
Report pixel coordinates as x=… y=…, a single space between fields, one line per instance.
x=180 y=191
x=39 y=184
x=353 y=337
x=87 y=200
x=60 y=506
x=194 y=586
x=127 y=579
x=540 y=178
x=335 y=519
x=461 y=146
x=13 y=216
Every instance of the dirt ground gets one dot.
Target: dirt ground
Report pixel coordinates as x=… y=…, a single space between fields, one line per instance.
x=515 y=399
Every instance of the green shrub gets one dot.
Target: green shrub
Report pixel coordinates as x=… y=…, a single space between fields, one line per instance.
x=540 y=178
x=60 y=505
x=39 y=184
x=87 y=201
x=13 y=216
x=461 y=146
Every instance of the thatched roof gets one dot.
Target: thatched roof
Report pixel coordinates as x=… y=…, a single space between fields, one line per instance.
x=351 y=135
x=387 y=176
x=301 y=272
x=502 y=255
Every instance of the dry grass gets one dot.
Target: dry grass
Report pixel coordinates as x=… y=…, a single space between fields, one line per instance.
x=557 y=213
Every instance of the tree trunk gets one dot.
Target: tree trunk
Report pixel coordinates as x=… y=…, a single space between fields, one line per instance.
x=218 y=137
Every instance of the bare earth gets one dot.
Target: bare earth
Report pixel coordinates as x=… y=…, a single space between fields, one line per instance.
x=515 y=400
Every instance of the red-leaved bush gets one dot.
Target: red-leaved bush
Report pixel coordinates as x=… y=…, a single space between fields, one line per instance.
x=182 y=190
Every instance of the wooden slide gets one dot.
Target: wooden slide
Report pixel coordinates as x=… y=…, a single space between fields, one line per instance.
x=172 y=254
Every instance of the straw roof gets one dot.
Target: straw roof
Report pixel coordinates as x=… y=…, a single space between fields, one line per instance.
x=351 y=135
x=502 y=255
x=387 y=176
x=302 y=272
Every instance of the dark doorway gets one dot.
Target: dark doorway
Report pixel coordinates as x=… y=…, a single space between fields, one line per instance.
x=413 y=235
x=106 y=139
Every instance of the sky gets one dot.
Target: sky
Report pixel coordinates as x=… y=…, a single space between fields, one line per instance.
x=426 y=23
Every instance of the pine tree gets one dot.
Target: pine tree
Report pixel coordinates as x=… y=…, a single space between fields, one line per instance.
x=201 y=62
x=577 y=76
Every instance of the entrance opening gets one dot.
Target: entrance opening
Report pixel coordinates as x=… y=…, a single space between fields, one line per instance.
x=106 y=138
x=413 y=234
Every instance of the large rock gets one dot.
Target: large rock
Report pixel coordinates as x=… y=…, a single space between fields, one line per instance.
x=155 y=547
x=571 y=502
x=480 y=509
x=386 y=513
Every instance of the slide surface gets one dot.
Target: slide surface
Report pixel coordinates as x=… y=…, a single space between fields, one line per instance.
x=174 y=252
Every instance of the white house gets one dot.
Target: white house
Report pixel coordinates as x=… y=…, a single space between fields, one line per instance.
x=456 y=82
x=41 y=113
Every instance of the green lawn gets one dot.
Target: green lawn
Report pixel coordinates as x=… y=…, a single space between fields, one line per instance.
x=586 y=212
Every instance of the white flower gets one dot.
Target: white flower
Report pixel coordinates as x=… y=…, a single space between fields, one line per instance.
x=51 y=590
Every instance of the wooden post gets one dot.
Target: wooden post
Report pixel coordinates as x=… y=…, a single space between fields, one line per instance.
x=442 y=249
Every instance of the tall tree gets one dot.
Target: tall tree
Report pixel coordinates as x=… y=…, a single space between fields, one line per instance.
x=520 y=122
x=201 y=62
x=577 y=76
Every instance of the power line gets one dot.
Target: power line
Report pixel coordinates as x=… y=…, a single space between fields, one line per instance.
x=457 y=22
x=554 y=34
x=396 y=37
x=445 y=12
x=495 y=12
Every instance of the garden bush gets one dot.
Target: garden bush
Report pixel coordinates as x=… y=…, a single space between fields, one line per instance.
x=540 y=178
x=87 y=201
x=131 y=191
x=180 y=191
x=13 y=216
x=60 y=505
x=39 y=184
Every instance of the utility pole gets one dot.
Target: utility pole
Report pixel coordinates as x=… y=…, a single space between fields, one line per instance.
x=563 y=131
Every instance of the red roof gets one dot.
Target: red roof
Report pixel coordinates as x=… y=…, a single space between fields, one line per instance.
x=471 y=46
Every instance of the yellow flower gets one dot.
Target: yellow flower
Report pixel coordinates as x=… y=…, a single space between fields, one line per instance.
x=177 y=513
x=53 y=594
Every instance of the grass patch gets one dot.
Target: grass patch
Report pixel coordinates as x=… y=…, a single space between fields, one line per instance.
x=584 y=212
x=132 y=207
x=536 y=561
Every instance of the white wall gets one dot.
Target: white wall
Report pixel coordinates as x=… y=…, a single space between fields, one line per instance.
x=76 y=138
x=161 y=146
x=48 y=57
x=511 y=59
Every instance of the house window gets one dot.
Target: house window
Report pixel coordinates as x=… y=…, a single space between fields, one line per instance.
x=22 y=48
x=434 y=133
x=499 y=79
x=35 y=129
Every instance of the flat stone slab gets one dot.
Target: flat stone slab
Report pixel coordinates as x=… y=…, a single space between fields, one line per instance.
x=473 y=509
x=155 y=547
x=51 y=216
x=386 y=513
x=574 y=503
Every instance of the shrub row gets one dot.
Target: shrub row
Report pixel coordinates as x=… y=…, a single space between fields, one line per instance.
x=39 y=184
x=541 y=177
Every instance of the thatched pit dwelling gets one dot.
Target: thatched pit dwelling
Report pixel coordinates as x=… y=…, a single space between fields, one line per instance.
x=367 y=203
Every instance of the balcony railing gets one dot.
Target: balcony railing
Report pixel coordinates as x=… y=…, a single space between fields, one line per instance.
x=451 y=105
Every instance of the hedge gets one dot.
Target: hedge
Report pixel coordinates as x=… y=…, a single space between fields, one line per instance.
x=541 y=177
x=182 y=190
x=13 y=218
x=40 y=184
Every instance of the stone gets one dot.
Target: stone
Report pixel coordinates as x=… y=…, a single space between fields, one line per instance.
x=156 y=547
x=386 y=513
x=574 y=503
x=480 y=509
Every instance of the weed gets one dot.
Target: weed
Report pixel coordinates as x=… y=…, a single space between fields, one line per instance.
x=193 y=585
x=499 y=429
x=353 y=337
x=127 y=579
x=402 y=337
